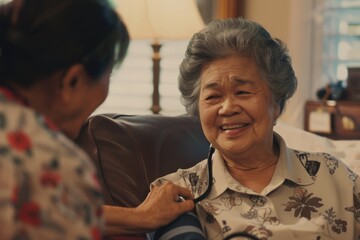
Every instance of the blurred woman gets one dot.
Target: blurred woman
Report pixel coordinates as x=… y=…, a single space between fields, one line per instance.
x=56 y=57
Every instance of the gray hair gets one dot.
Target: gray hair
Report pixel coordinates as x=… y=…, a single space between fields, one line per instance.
x=236 y=37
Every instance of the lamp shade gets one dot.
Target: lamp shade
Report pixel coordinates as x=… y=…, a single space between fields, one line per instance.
x=160 y=19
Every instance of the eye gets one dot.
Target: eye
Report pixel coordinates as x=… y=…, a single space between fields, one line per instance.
x=242 y=92
x=210 y=97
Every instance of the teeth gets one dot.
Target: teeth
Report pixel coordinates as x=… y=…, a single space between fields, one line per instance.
x=230 y=127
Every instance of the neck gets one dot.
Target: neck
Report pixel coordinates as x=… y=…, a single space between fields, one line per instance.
x=39 y=96
x=255 y=178
x=252 y=173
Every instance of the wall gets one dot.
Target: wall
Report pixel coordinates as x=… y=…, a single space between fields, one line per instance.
x=290 y=21
x=274 y=15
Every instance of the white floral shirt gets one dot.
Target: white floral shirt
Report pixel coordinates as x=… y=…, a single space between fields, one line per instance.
x=310 y=196
x=48 y=185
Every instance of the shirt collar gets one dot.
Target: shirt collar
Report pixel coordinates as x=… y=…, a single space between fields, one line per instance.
x=289 y=167
x=10 y=95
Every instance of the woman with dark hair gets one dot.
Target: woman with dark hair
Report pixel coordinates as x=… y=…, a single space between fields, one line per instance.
x=56 y=57
x=236 y=79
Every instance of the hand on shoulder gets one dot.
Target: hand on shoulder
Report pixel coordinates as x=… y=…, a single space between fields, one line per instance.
x=161 y=206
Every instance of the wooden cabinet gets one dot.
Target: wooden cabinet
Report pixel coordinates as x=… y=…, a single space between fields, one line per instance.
x=333 y=119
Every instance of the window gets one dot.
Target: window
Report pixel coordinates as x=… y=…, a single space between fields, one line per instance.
x=339 y=26
x=130 y=90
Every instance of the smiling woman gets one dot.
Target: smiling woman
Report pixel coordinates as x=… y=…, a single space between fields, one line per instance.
x=234 y=98
x=237 y=79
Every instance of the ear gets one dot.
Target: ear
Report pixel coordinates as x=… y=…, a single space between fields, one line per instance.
x=71 y=83
x=277 y=112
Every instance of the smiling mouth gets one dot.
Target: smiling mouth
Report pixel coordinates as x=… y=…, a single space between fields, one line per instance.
x=236 y=126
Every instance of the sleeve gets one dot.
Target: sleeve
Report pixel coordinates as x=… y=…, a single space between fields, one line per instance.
x=49 y=194
x=190 y=178
x=185 y=227
x=178 y=178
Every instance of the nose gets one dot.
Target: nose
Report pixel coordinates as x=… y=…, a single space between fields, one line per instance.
x=230 y=107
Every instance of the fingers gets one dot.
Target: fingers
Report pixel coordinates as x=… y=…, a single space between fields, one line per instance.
x=162 y=198
x=175 y=190
x=180 y=198
x=186 y=193
x=186 y=204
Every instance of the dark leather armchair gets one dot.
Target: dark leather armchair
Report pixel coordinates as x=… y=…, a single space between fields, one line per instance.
x=132 y=151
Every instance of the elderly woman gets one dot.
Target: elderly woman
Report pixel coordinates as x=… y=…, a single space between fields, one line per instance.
x=56 y=57
x=236 y=79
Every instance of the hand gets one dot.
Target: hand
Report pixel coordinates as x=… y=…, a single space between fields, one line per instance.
x=161 y=207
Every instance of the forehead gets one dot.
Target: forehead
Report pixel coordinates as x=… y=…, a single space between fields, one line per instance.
x=239 y=70
x=230 y=61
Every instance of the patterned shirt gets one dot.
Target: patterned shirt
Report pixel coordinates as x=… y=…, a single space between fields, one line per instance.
x=48 y=185
x=310 y=196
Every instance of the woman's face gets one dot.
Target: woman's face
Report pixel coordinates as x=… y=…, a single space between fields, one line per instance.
x=236 y=108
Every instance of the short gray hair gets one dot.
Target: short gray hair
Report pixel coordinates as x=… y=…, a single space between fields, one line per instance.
x=236 y=37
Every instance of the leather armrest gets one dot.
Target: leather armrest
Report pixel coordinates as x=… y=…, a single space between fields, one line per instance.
x=132 y=151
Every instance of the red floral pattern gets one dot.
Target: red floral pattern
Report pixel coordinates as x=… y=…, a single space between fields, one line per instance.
x=8 y=94
x=30 y=213
x=50 y=124
x=35 y=165
x=19 y=140
x=50 y=178
x=95 y=233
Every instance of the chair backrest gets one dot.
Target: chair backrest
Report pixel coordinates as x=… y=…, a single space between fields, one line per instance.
x=131 y=151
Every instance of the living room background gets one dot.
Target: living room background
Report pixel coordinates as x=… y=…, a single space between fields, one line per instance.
x=299 y=23
x=130 y=87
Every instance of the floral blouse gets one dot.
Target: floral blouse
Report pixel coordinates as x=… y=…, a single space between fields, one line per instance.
x=48 y=186
x=311 y=196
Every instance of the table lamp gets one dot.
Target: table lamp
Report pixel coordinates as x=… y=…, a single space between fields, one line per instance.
x=159 y=20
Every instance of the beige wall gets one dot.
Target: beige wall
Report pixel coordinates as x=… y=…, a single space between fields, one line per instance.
x=290 y=21
x=274 y=15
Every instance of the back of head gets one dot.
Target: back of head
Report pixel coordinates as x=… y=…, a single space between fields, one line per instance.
x=40 y=37
x=236 y=37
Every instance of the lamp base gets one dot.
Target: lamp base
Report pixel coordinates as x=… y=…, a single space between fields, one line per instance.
x=155 y=108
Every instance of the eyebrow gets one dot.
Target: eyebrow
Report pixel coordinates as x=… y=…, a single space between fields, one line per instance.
x=238 y=81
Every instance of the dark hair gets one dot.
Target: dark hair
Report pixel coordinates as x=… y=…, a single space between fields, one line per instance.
x=39 y=37
x=236 y=37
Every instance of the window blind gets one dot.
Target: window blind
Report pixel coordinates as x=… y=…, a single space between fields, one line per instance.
x=130 y=90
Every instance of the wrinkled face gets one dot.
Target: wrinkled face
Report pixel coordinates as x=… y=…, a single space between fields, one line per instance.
x=236 y=108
